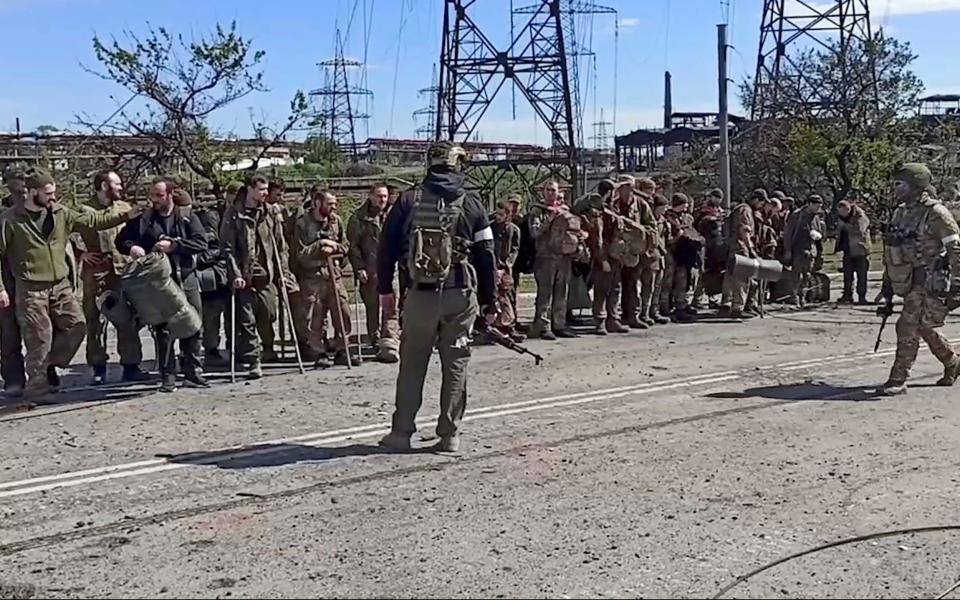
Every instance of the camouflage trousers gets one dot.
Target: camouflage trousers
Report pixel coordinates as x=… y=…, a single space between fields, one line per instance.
x=324 y=295
x=673 y=289
x=802 y=277
x=51 y=322
x=923 y=313
x=378 y=328
x=606 y=293
x=553 y=280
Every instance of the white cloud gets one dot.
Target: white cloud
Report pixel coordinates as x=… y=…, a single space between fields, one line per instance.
x=630 y=21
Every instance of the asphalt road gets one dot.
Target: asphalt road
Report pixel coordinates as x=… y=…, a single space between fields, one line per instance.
x=660 y=463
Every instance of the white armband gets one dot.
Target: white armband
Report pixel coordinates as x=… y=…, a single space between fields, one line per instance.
x=484 y=235
x=950 y=238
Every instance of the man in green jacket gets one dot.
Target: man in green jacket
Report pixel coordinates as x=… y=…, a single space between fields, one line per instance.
x=34 y=238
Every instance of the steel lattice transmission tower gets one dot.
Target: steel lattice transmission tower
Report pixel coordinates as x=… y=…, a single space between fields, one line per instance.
x=787 y=23
x=601 y=135
x=473 y=71
x=427 y=130
x=338 y=113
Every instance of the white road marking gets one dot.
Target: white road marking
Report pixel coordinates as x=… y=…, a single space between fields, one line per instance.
x=146 y=467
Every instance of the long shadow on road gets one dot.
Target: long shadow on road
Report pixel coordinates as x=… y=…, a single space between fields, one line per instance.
x=275 y=455
x=803 y=391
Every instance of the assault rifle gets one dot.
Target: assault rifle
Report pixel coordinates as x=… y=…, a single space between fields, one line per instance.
x=501 y=339
x=885 y=310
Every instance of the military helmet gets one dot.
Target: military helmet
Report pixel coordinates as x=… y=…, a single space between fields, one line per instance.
x=15 y=171
x=446 y=153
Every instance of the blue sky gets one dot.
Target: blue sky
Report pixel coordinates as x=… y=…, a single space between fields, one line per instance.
x=44 y=83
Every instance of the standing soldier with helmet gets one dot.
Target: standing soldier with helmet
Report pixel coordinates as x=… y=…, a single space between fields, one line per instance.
x=922 y=265
x=444 y=237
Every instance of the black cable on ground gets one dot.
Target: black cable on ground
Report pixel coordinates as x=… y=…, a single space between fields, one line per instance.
x=844 y=542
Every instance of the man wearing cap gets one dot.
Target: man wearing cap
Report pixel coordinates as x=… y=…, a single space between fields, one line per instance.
x=803 y=246
x=741 y=241
x=551 y=270
x=854 y=241
x=641 y=283
x=444 y=236
x=34 y=238
x=11 y=344
x=101 y=266
x=506 y=247
x=676 y=272
x=922 y=265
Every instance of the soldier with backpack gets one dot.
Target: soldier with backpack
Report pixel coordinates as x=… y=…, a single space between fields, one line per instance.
x=444 y=237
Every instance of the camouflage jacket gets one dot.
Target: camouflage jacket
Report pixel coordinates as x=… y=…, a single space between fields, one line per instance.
x=742 y=230
x=506 y=244
x=796 y=239
x=36 y=259
x=363 y=235
x=310 y=234
x=249 y=236
x=101 y=242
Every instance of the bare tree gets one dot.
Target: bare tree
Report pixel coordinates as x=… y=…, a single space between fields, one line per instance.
x=176 y=86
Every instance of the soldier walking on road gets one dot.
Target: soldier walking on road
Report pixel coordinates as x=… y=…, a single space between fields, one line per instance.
x=252 y=236
x=921 y=264
x=33 y=239
x=101 y=266
x=444 y=237
x=321 y=249
x=363 y=235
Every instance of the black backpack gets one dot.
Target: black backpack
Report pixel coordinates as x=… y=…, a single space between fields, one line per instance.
x=528 y=248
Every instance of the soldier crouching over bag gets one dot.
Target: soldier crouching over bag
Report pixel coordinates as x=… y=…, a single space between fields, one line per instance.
x=445 y=238
x=921 y=264
x=175 y=231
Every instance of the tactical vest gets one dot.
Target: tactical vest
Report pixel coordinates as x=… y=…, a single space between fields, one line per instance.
x=902 y=254
x=433 y=247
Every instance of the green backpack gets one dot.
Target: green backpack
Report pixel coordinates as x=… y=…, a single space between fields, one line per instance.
x=433 y=246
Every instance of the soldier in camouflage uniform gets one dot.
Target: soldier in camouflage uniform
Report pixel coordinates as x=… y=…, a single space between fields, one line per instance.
x=676 y=277
x=11 y=344
x=101 y=266
x=803 y=247
x=363 y=235
x=320 y=235
x=506 y=247
x=741 y=241
x=921 y=264
x=33 y=239
x=639 y=283
x=551 y=270
x=253 y=237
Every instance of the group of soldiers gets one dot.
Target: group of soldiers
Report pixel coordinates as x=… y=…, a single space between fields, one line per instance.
x=242 y=261
x=234 y=259
x=652 y=259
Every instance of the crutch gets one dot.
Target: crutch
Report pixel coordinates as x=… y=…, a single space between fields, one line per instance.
x=283 y=335
x=286 y=303
x=339 y=311
x=233 y=333
x=356 y=306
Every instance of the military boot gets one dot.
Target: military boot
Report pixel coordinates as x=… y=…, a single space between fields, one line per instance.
x=133 y=373
x=449 y=444
x=99 y=375
x=614 y=326
x=600 y=327
x=893 y=388
x=13 y=390
x=950 y=374
x=53 y=378
x=255 y=371
x=396 y=440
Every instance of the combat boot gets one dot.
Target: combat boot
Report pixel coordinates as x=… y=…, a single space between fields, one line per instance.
x=682 y=316
x=99 y=375
x=133 y=373
x=168 y=383
x=741 y=314
x=13 y=390
x=548 y=335
x=564 y=333
x=53 y=378
x=195 y=378
x=950 y=374
x=614 y=326
x=396 y=440
x=845 y=299
x=255 y=371
x=600 y=327
x=449 y=444
x=893 y=388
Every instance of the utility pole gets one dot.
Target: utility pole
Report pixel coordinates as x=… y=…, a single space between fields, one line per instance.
x=723 y=116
